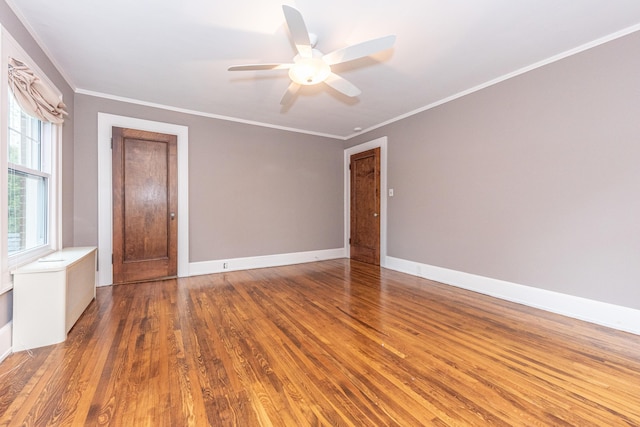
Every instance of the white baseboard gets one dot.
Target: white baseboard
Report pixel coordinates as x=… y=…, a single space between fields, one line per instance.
x=233 y=264
x=5 y=341
x=601 y=313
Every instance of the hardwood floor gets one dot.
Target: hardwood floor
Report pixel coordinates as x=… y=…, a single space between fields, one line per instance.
x=328 y=343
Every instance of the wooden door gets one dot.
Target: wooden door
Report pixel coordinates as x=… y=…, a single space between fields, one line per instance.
x=145 y=202
x=365 y=206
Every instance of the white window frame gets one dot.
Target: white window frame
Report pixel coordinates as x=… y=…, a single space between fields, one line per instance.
x=10 y=48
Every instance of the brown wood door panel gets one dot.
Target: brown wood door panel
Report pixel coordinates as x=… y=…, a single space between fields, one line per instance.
x=144 y=205
x=365 y=206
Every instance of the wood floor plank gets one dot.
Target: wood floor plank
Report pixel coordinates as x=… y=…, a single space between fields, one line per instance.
x=328 y=343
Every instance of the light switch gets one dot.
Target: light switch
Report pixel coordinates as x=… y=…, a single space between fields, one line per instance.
x=391 y=192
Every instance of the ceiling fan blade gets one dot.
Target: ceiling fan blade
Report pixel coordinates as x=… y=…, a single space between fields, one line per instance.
x=290 y=93
x=298 y=31
x=250 y=67
x=359 y=50
x=342 y=85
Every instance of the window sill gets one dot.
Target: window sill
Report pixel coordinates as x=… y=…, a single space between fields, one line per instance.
x=21 y=260
x=29 y=256
x=6 y=289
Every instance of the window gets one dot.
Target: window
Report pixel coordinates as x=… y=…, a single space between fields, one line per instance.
x=30 y=221
x=28 y=181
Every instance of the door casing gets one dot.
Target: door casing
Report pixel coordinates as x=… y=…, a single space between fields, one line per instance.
x=382 y=143
x=105 y=209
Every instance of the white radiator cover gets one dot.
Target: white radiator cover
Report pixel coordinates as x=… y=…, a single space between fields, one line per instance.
x=50 y=294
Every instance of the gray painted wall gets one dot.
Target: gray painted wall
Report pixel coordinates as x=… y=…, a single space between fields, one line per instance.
x=10 y=22
x=6 y=308
x=252 y=190
x=535 y=180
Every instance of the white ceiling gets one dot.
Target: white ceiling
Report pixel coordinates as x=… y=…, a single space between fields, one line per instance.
x=176 y=53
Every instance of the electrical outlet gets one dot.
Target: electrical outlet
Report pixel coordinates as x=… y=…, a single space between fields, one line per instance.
x=225 y=265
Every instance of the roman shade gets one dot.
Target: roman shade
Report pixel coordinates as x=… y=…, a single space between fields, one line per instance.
x=33 y=95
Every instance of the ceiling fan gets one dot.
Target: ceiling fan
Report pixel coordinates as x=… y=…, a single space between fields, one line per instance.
x=310 y=66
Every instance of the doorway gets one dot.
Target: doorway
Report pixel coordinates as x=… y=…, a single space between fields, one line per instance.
x=106 y=122
x=145 y=202
x=380 y=143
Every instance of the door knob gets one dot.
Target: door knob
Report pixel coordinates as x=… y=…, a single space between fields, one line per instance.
x=375 y=214
x=172 y=215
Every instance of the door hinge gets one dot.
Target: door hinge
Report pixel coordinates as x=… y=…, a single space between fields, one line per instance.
x=112 y=143
x=349 y=240
x=349 y=166
x=111 y=258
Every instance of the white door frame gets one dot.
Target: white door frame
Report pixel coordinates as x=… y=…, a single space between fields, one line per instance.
x=348 y=152
x=105 y=207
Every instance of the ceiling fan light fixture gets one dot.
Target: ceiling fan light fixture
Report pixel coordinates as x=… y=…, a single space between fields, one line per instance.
x=309 y=71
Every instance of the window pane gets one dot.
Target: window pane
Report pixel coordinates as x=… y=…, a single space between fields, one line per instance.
x=27 y=187
x=27 y=211
x=24 y=137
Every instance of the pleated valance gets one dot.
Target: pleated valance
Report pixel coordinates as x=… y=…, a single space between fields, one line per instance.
x=33 y=95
